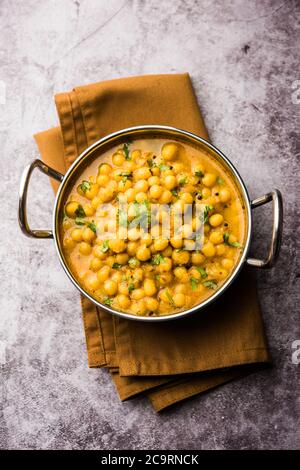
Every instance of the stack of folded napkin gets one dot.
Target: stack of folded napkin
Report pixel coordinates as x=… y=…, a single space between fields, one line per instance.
x=173 y=360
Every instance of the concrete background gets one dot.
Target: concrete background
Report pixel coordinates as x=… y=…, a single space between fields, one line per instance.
x=243 y=58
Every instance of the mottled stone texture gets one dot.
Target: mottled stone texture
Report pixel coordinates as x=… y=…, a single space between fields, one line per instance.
x=243 y=58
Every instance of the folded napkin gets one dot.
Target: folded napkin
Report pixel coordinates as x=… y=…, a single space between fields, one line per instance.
x=174 y=360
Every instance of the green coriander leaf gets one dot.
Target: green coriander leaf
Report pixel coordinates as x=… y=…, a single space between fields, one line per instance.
x=80 y=211
x=130 y=287
x=136 y=207
x=92 y=226
x=220 y=180
x=105 y=246
x=202 y=272
x=116 y=266
x=207 y=210
x=183 y=181
x=141 y=207
x=236 y=245
x=151 y=163
x=108 y=301
x=199 y=174
x=125 y=175
x=142 y=214
x=169 y=297
x=157 y=277
x=212 y=284
x=227 y=242
x=85 y=186
x=194 y=283
x=122 y=218
x=157 y=259
x=226 y=238
x=174 y=192
x=133 y=262
x=164 y=167
x=79 y=221
x=126 y=151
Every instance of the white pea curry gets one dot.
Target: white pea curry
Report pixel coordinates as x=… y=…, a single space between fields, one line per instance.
x=135 y=264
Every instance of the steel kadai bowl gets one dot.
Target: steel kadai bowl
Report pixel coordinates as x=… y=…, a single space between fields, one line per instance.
x=144 y=132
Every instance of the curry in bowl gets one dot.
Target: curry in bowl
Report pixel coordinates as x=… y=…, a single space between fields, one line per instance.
x=132 y=234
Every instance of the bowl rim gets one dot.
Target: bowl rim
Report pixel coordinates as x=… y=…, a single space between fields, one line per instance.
x=153 y=128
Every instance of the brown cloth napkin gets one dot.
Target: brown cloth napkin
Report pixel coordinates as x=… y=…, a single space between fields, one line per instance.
x=173 y=360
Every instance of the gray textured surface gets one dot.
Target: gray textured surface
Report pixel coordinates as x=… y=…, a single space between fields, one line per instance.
x=243 y=58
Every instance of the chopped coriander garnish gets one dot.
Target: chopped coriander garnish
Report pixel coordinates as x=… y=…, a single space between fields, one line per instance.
x=133 y=262
x=79 y=221
x=183 y=181
x=226 y=238
x=164 y=167
x=85 y=186
x=199 y=174
x=92 y=226
x=207 y=210
x=142 y=214
x=130 y=287
x=169 y=297
x=220 y=180
x=80 y=212
x=202 y=272
x=116 y=266
x=108 y=301
x=126 y=151
x=157 y=277
x=194 y=283
x=212 y=284
x=125 y=175
x=157 y=259
x=174 y=192
x=227 y=242
x=122 y=218
x=105 y=246
x=151 y=163
x=141 y=207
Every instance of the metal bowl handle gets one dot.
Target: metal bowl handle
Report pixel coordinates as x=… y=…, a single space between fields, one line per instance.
x=276 y=198
x=23 y=197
